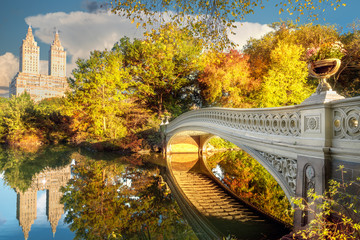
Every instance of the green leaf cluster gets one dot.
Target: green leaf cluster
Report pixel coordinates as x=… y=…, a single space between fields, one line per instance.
x=335 y=212
x=23 y=121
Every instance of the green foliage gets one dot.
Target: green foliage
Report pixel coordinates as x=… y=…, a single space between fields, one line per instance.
x=335 y=213
x=252 y=182
x=20 y=166
x=18 y=117
x=219 y=143
x=3 y=105
x=24 y=122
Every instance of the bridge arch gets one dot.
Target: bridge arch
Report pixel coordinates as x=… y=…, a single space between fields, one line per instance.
x=281 y=168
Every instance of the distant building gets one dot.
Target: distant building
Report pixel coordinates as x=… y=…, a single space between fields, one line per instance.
x=29 y=79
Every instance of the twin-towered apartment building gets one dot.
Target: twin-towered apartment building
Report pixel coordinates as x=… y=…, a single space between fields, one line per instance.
x=29 y=79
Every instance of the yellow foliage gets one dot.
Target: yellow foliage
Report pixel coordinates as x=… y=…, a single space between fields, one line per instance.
x=285 y=82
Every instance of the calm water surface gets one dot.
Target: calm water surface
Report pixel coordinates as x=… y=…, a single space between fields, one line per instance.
x=106 y=196
x=63 y=193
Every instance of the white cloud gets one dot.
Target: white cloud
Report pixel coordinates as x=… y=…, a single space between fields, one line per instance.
x=9 y=66
x=83 y=32
x=247 y=30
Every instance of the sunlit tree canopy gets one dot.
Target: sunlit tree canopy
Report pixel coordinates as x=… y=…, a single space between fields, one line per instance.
x=213 y=19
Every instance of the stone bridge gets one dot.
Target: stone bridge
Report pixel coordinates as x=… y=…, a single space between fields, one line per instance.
x=301 y=146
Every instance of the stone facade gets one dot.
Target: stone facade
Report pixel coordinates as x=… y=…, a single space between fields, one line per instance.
x=29 y=79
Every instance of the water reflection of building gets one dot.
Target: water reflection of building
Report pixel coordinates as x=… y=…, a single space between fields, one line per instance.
x=50 y=180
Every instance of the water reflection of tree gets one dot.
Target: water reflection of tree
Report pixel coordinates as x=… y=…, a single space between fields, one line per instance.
x=107 y=200
x=19 y=167
x=247 y=178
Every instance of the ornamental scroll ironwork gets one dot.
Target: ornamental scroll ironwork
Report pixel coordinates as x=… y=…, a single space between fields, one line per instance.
x=285 y=166
x=283 y=123
x=346 y=123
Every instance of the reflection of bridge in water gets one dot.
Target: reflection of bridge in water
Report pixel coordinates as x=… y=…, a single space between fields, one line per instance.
x=212 y=210
x=50 y=180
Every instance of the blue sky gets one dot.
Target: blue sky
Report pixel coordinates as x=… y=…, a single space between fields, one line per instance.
x=84 y=27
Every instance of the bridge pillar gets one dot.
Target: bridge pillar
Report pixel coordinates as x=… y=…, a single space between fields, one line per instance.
x=311 y=175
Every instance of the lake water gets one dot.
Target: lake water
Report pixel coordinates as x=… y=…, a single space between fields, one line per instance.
x=63 y=193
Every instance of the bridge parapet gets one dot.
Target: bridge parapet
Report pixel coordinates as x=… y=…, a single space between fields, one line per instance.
x=331 y=124
x=275 y=121
x=346 y=123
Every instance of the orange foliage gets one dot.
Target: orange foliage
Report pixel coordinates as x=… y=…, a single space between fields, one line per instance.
x=226 y=80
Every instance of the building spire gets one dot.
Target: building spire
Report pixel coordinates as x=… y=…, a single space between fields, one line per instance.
x=56 y=41
x=29 y=35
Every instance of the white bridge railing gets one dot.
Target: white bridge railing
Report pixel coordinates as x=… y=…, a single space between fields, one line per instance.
x=277 y=121
x=337 y=121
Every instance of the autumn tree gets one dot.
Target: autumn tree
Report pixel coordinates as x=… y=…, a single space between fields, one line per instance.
x=226 y=80
x=285 y=82
x=163 y=68
x=212 y=19
x=347 y=80
x=277 y=74
x=305 y=36
x=99 y=93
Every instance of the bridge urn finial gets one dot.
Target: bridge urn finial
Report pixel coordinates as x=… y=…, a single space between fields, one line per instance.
x=322 y=70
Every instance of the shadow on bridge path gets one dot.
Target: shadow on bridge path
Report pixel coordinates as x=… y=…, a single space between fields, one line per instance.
x=211 y=209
